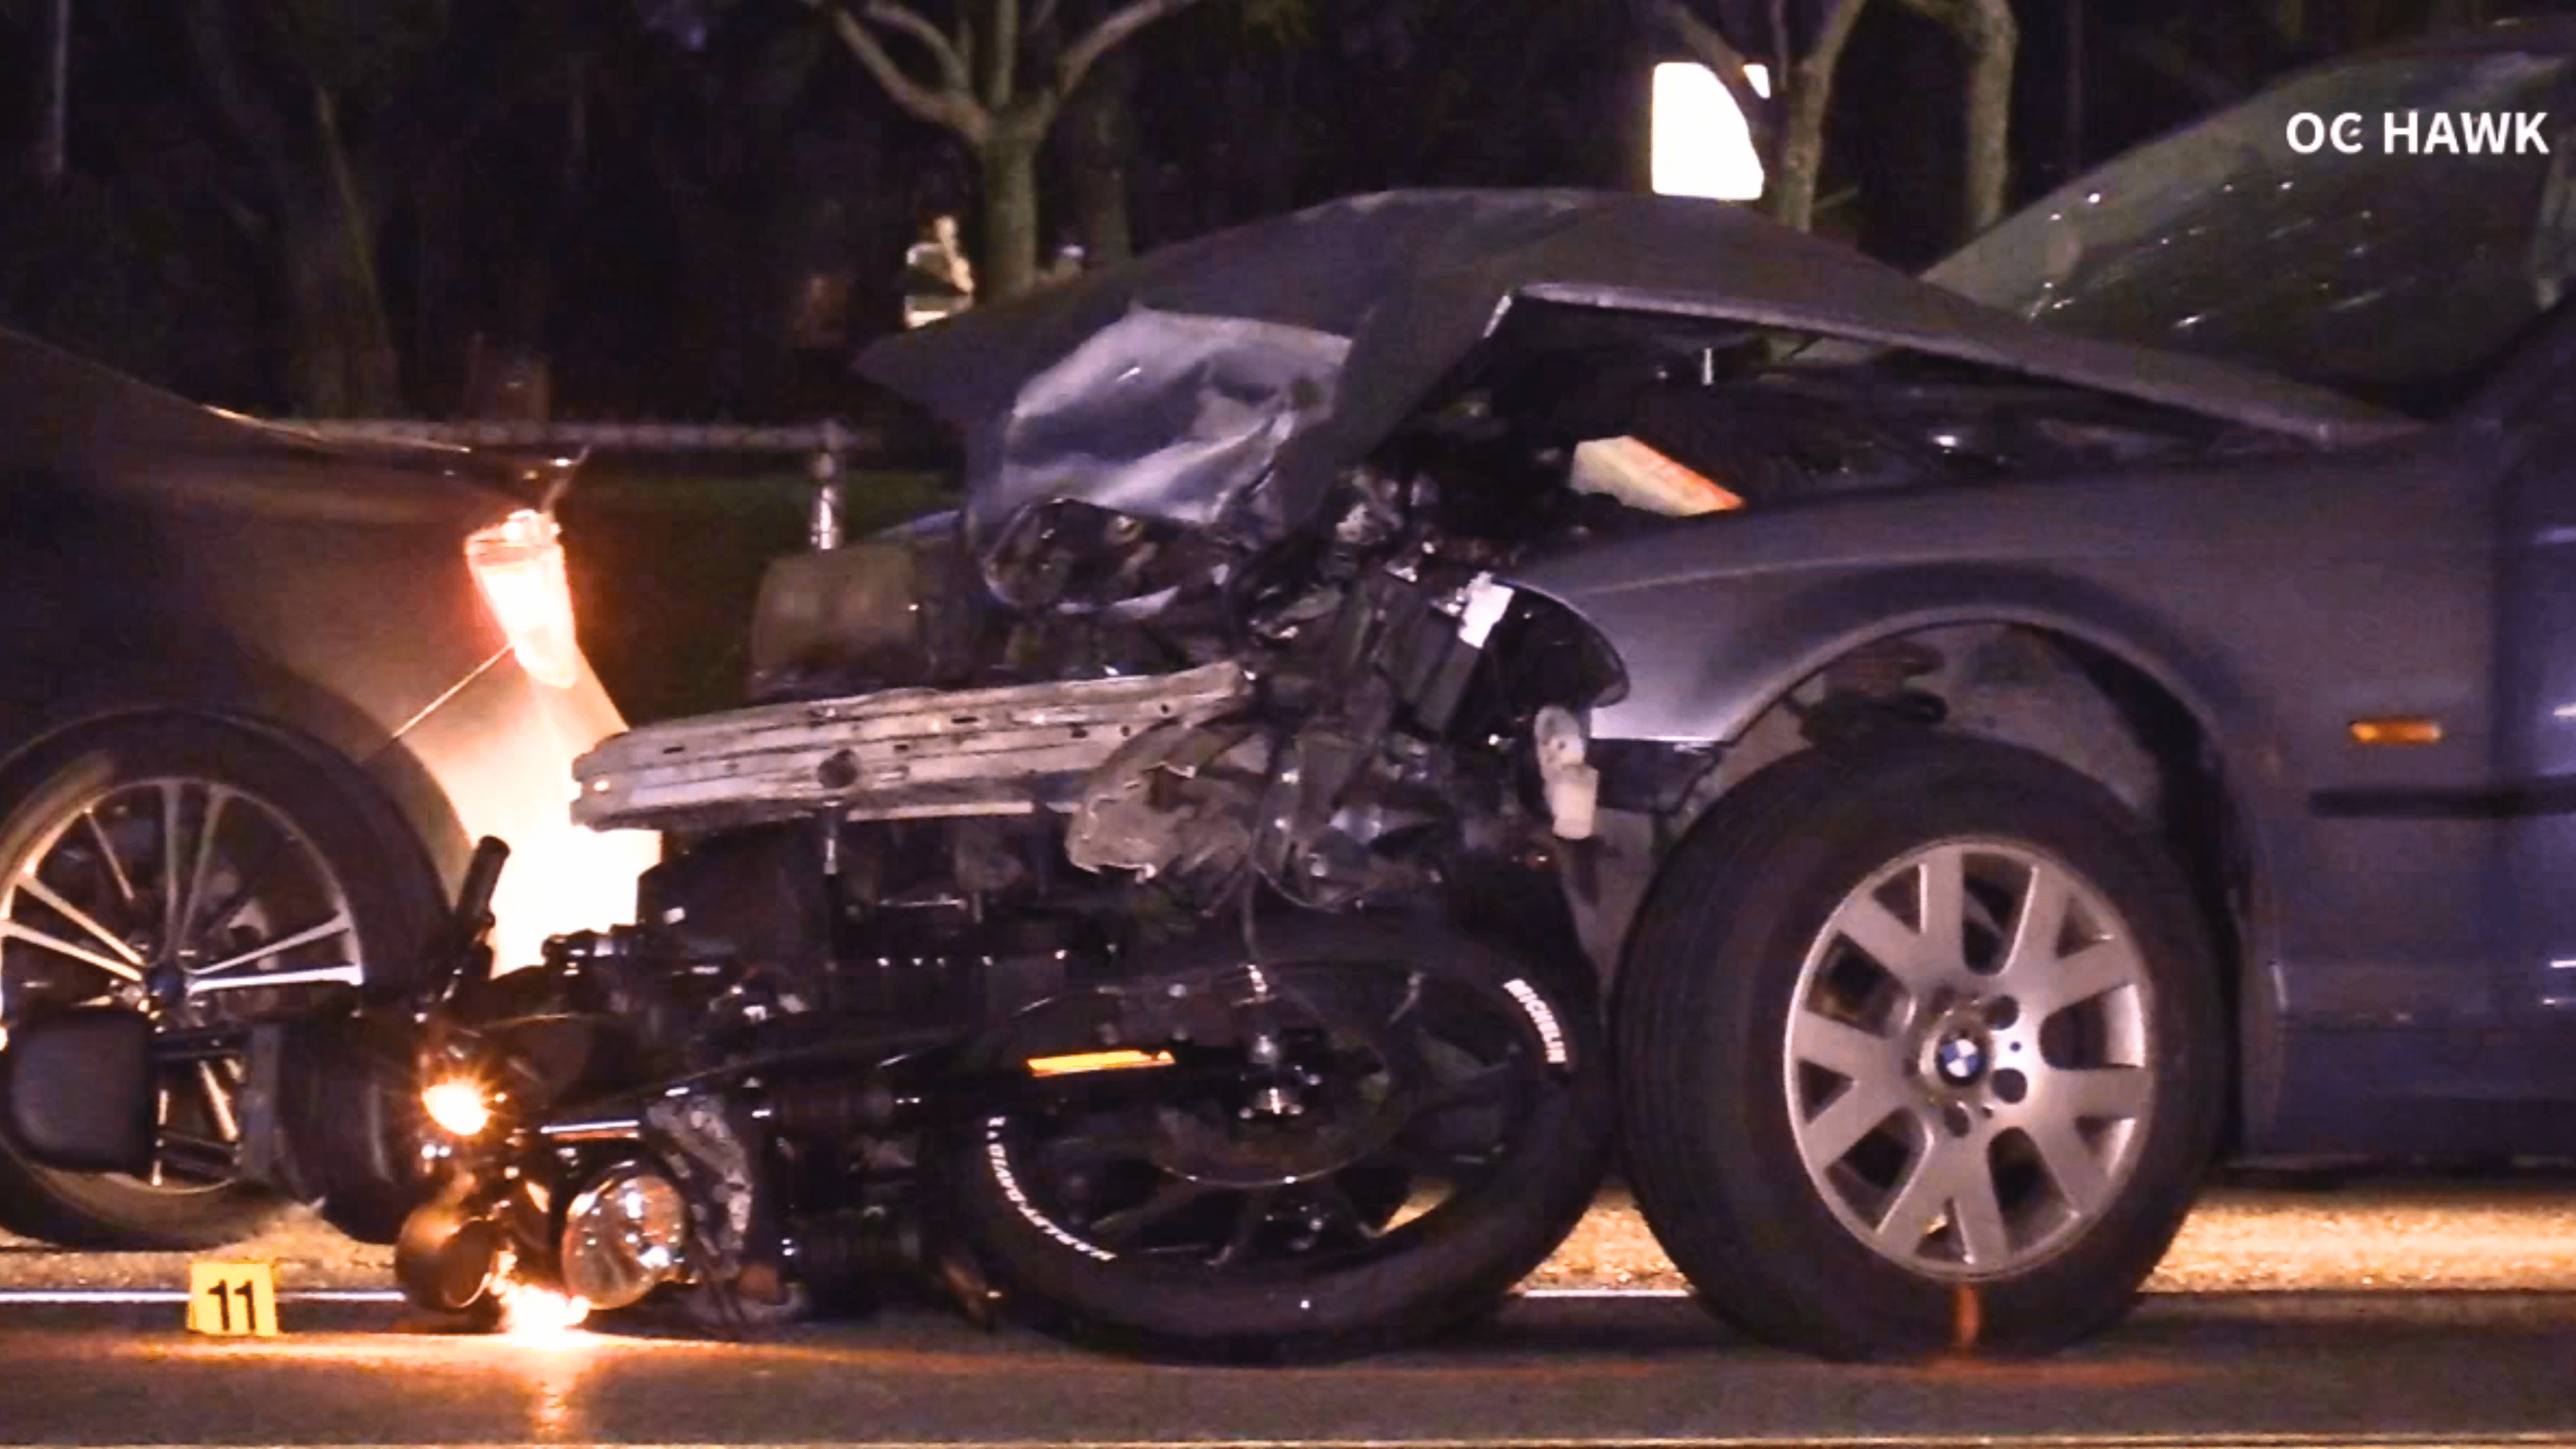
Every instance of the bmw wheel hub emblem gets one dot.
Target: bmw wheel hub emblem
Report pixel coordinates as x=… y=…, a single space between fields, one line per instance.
x=1960 y=1060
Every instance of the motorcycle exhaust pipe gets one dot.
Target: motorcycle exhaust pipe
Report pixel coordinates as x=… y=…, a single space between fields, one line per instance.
x=625 y=1233
x=450 y=1256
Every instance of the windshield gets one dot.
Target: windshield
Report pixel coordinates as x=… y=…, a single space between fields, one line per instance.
x=2396 y=273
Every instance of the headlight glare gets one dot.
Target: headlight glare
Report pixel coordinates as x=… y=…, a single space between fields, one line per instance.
x=458 y=1106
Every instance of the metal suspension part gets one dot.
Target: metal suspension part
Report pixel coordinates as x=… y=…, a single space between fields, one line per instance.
x=830 y=1106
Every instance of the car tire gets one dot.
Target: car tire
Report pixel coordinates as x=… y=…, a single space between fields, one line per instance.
x=76 y=820
x=1893 y=1149
x=1450 y=1266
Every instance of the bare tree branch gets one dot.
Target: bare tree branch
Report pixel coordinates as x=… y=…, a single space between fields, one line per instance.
x=1783 y=52
x=1792 y=189
x=1719 y=54
x=1122 y=23
x=1042 y=17
x=1002 y=59
x=953 y=72
x=952 y=108
x=1985 y=29
x=1993 y=40
x=1950 y=14
x=2174 y=63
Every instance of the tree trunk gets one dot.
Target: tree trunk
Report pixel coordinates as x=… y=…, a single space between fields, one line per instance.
x=1009 y=161
x=338 y=365
x=1101 y=143
x=371 y=387
x=1799 y=160
x=1992 y=39
x=50 y=157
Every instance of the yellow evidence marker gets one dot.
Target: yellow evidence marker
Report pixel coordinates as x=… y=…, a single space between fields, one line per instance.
x=234 y=1299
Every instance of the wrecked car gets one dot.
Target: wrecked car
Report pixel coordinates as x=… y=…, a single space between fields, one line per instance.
x=1992 y=756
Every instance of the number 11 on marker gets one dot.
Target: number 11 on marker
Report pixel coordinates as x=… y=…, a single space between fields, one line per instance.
x=232 y=1299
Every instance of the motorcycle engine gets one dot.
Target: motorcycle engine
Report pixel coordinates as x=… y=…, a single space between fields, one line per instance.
x=746 y=934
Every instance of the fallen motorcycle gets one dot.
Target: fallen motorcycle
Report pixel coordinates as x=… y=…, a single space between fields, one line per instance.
x=1172 y=999
x=1177 y=1007
x=1134 y=897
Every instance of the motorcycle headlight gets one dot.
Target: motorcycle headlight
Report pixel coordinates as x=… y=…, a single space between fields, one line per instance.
x=458 y=1105
x=626 y=1234
x=518 y=564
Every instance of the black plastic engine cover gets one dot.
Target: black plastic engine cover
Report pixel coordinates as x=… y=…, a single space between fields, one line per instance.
x=758 y=892
x=78 y=1085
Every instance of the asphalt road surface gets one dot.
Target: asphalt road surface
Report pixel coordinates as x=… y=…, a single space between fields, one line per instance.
x=2513 y=1234
x=2296 y=1333
x=2273 y=1370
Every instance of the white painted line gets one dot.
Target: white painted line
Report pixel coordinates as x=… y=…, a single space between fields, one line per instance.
x=2529 y=1440
x=1604 y=1293
x=390 y=1295
x=180 y=1295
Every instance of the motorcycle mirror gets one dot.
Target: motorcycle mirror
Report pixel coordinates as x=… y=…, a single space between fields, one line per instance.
x=78 y=1085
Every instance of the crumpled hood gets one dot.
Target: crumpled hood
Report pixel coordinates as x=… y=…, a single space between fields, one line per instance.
x=1222 y=383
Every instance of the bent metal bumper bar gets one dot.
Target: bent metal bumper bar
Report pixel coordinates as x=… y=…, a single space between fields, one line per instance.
x=904 y=753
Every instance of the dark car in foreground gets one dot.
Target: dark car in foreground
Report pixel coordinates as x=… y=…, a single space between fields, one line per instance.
x=254 y=711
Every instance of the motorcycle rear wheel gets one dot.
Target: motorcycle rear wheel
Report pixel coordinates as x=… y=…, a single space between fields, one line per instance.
x=1475 y=1122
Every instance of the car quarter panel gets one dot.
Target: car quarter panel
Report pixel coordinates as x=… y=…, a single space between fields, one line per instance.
x=500 y=748
x=321 y=594
x=243 y=578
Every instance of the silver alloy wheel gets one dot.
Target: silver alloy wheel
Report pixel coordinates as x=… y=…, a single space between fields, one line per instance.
x=1968 y=1058
x=192 y=901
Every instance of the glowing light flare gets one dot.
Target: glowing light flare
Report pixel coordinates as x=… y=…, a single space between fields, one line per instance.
x=1079 y=1062
x=518 y=564
x=458 y=1107
x=1702 y=144
x=2397 y=730
x=540 y=1317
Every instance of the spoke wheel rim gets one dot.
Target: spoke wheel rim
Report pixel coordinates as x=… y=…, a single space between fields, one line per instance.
x=1464 y=1099
x=1968 y=1058
x=180 y=897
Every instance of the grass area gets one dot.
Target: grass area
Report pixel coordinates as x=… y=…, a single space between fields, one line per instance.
x=667 y=564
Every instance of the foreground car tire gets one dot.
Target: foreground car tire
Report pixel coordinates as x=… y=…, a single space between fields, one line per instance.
x=166 y=865
x=1087 y=1225
x=1920 y=1049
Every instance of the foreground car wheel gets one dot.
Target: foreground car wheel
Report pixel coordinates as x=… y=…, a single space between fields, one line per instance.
x=1919 y=1050
x=200 y=876
x=1445 y=1124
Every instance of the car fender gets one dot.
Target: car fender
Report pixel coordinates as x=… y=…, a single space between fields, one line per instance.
x=1705 y=657
x=1709 y=653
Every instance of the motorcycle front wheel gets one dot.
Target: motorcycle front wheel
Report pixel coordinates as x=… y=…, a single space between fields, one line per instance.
x=1429 y=1122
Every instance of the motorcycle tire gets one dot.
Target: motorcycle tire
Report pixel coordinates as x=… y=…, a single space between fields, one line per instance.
x=1397 y=1280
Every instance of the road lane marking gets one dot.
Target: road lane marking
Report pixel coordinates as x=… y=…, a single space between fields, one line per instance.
x=1603 y=1293
x=390 y=1295
x=80 y=1296
x=2523 y=1439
